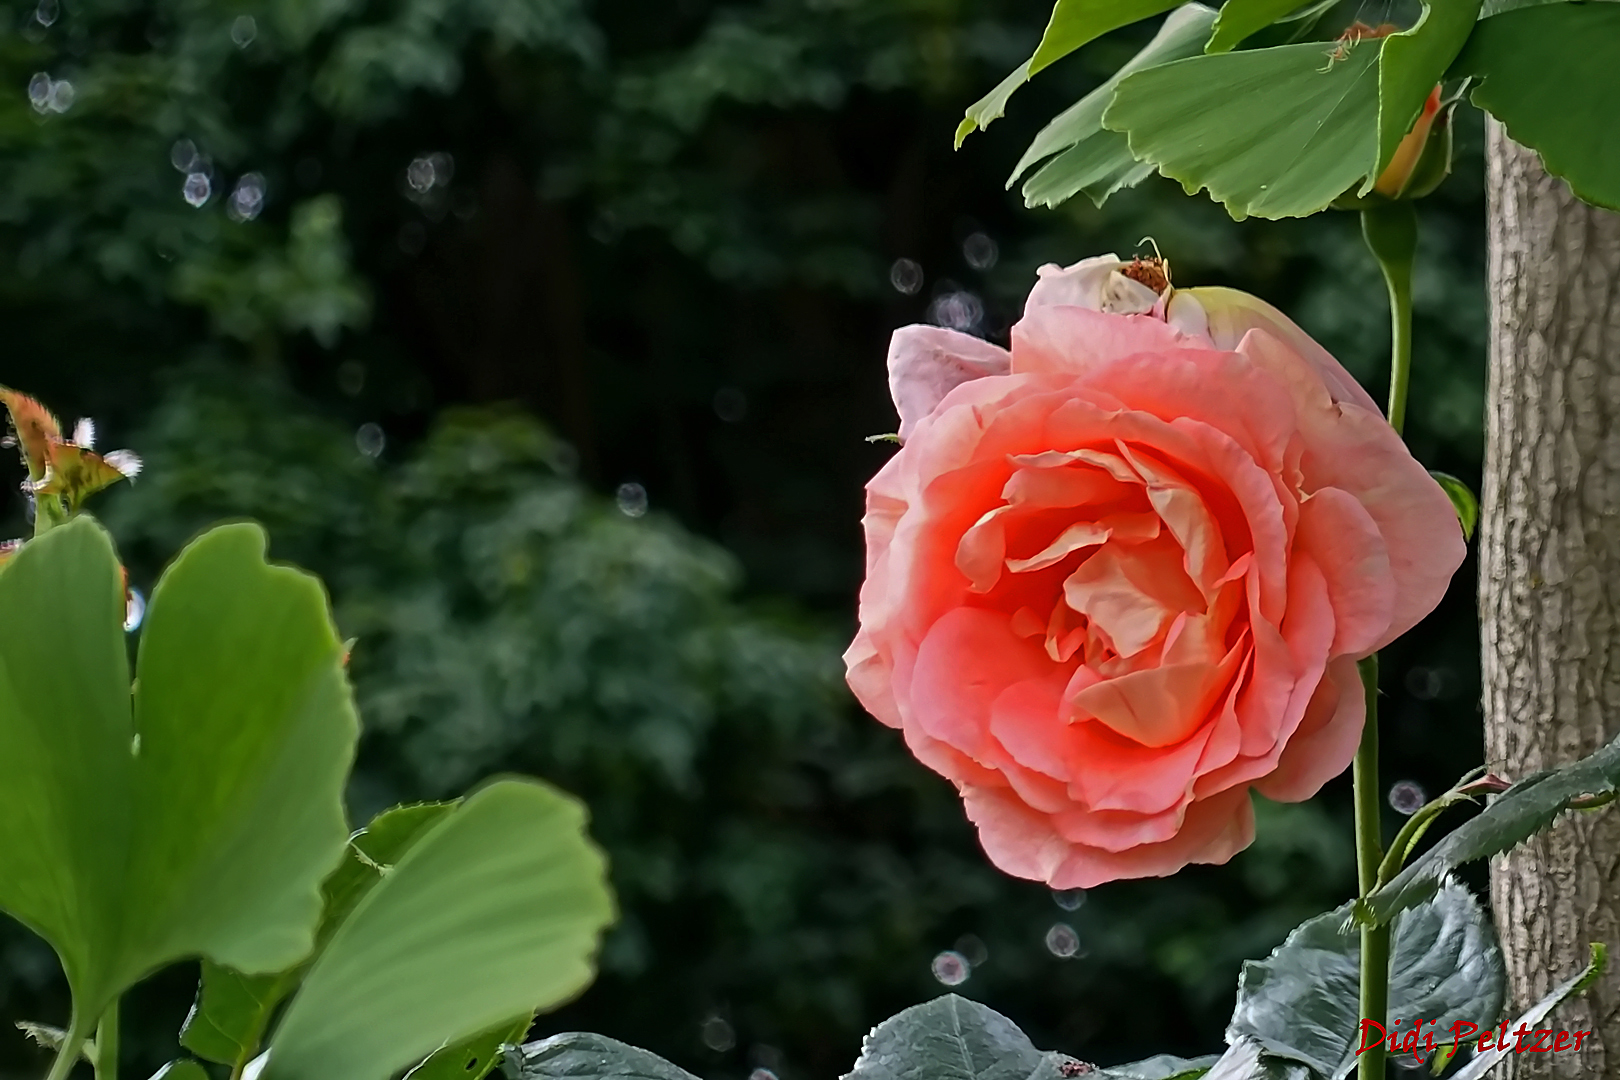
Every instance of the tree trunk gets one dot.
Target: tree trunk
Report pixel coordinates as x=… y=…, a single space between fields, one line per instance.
x=1550 y=579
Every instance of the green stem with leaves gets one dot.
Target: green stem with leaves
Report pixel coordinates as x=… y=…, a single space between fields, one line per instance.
x=1391 y=233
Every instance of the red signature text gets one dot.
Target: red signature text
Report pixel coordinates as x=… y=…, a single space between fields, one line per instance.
x=1421 y=1043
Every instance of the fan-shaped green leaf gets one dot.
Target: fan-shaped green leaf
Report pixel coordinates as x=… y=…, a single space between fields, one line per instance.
x=228 y=1020
x=474 y=1058
x=1091 y=159
x=993 y=105
x=1548 y=74
x=202 y=821
x=1269 y=132
x=233 y=1011
x=251 y=647
x=495 y=911
x=1074 y=23
x=1079 y=22
x=1241 y=18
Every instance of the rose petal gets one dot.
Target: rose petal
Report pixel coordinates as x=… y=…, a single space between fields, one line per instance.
x=1124 y=527
x=1229 y=315
x=1115 y=830
x=1051 y=486
x=1327 y=738
x=1079 y=285
x=1352 y=448
x=964 y=663
x=867 y=674
x=1346 y=545
x=1073 y=340
x=928 y=362
x=1160 y=706
x=1131 y=592
x=950 y=762
x=983 y=550
x=1025 y=843
x=1026 y=721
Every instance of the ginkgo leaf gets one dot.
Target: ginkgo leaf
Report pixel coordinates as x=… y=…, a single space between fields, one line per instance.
x=1073 y=24
x=196 y=815
x=1270 y=133
x=1548 y=74
x=1241 y=18
x=1090 y=158
x=495 y=911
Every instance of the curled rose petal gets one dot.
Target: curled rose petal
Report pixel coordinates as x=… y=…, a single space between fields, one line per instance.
x=1097 y=283
x=928 y=362
x=1120 y=578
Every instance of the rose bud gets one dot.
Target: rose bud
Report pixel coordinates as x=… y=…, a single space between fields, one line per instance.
x=1397 y=175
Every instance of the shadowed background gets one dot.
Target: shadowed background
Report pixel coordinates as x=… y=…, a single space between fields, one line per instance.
x=549 y=333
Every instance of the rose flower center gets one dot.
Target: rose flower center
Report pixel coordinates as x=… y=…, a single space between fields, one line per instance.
x=1115 y=563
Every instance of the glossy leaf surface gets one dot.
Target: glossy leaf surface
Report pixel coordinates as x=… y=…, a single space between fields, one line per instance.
x=1302 y=1003
x=579 y=1055
x=1482 y=1063
x=1160 y=1067
x=952 y=1038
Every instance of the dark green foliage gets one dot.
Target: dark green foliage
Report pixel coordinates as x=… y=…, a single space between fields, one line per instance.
x=1512 y=817
x=948 y=1038
x=1300 y=1004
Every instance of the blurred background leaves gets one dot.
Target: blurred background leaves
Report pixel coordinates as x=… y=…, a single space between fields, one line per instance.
x=549 y=333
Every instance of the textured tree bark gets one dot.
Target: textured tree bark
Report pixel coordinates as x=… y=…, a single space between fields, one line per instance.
x=1550 y=579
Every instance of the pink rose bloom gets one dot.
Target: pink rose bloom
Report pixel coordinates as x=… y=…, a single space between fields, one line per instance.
x=1122 y=575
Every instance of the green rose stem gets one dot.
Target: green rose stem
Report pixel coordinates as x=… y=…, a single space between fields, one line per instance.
x=1369 y=853
x=1391 y=233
